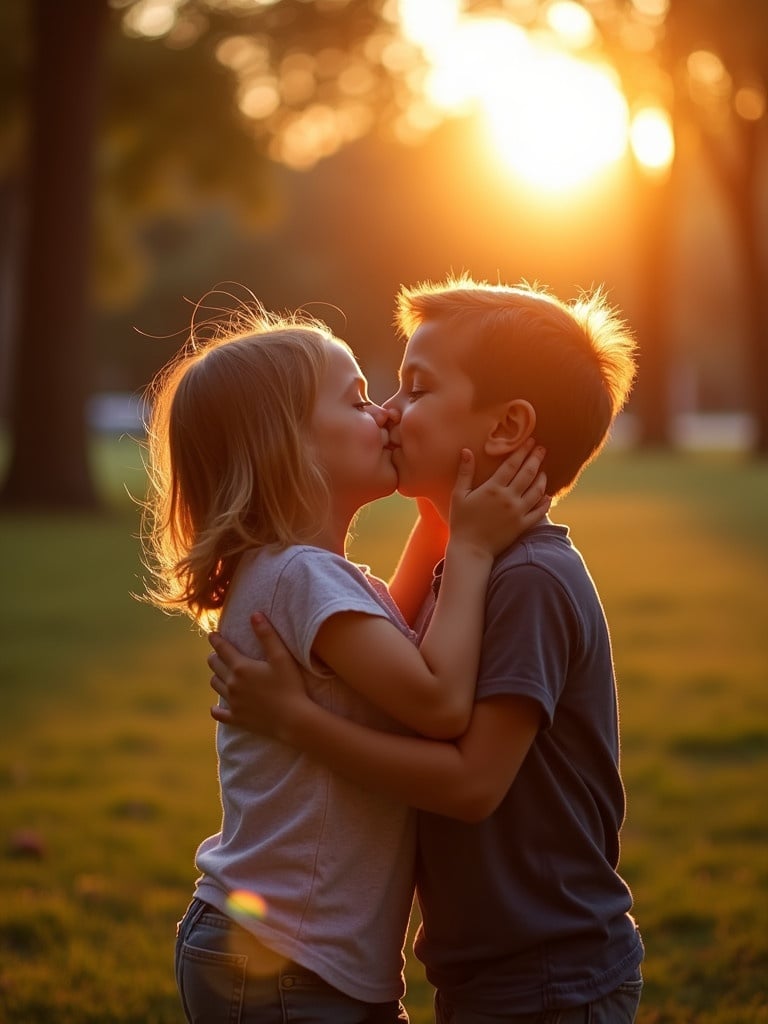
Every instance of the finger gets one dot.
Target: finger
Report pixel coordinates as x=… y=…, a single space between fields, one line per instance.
x=220 y=714
x=544 y=505
x=509 y=467
x=225 y=650
x=465 y=472
x=218 y=684
x=216 y=665
x=538 y=486
x=273 y=647
x=521 y=472
x=539 y=502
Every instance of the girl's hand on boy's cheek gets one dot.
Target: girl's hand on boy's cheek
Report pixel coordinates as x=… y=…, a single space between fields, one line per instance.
x=511 y=501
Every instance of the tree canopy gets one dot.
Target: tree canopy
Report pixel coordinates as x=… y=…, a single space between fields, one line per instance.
x=113 y=112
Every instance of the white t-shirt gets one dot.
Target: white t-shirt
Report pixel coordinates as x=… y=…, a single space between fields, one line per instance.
x=333 y=862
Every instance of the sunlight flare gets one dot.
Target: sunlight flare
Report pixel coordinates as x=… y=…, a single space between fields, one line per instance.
x=561 y=123
x=572 y=23
x=554 y=119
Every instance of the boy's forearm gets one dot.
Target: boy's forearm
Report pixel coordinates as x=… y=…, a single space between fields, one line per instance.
x=427 y=774
x=409 y=586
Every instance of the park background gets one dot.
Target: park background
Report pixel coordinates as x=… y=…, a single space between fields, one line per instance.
x=319 y=153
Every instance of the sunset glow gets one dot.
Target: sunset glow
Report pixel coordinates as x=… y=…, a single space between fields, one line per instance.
x=554 y=119
x=561 y=123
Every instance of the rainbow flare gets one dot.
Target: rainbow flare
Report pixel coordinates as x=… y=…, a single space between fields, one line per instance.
x=244 y=904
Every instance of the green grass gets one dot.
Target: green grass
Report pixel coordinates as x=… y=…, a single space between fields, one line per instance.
x=107 y=762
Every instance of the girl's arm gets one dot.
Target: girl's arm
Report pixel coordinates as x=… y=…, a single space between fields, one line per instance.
x=431 y=688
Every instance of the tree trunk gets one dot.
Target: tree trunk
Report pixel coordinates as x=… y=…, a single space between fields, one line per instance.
x=746 y=205
x=741 y=181
x=49 y=465
x=652 y=398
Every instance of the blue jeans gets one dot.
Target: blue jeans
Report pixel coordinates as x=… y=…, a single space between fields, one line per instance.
x=618 y=1007
x=225 y=976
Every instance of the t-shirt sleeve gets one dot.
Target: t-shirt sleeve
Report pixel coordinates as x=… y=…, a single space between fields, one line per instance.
x=313 y=586
x=530 y=632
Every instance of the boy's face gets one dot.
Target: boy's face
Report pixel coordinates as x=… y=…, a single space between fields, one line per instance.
x=436 y=416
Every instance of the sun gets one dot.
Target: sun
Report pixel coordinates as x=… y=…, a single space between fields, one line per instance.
x=557 y=121
x=554 y=120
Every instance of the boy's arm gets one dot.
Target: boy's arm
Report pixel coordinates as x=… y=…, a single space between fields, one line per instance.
x=425 y=547
x=466 y=779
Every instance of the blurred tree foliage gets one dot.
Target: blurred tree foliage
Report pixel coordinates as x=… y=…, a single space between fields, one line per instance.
x=107 y=126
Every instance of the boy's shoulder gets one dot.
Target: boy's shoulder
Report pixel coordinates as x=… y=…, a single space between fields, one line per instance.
x=543 y=560
x=546 y=546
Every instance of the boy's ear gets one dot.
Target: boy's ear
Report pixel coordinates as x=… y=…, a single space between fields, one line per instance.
x=515 y=423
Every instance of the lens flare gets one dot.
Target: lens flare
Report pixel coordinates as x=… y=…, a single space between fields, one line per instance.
x=244 y=904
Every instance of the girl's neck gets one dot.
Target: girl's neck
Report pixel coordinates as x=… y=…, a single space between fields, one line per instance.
x=333 y=535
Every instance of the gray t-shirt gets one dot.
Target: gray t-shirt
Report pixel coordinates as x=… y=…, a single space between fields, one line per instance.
x=332 y=861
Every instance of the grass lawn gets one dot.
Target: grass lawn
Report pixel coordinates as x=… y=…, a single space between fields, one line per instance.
x=107 y=779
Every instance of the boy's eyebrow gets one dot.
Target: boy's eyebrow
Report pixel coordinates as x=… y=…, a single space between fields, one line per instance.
x=414 y=366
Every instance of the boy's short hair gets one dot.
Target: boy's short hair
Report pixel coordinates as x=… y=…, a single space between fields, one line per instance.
x=574 y=362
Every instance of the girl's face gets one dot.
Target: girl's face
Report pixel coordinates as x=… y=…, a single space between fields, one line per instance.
x=350 y=436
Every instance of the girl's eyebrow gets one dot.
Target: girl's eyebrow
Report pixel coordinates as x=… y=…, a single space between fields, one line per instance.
x=357 y=385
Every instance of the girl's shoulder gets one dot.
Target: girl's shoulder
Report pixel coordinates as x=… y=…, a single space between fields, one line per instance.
x=299 y=561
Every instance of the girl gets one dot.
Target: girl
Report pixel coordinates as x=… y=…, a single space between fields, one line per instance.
x=263 y=445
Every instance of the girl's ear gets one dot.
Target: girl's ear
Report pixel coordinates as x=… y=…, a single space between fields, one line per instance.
x=515 y=423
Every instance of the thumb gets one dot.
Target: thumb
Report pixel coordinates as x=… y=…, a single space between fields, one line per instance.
x=273 y=647
x=465 y=472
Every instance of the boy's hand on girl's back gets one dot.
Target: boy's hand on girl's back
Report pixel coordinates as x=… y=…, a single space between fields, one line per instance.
x=496 y=512
x=258 y=695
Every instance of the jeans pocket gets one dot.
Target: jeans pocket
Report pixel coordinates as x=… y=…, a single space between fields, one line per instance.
x=211 y=984
x=620 y=1006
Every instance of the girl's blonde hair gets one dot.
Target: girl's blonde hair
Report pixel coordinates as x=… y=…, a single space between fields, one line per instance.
x=229 y=455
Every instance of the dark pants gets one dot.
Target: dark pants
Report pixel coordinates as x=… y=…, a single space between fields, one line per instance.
x=618 y=1007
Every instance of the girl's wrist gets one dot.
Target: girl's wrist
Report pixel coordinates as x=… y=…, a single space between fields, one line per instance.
x=469 y=547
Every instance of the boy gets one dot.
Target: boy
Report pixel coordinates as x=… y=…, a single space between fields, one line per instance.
x=525 y=917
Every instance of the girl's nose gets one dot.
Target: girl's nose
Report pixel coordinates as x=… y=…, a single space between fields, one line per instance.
x=393 y=409
x=381 y=415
